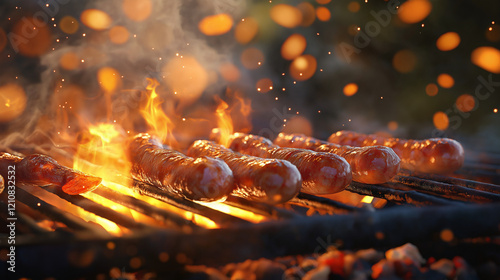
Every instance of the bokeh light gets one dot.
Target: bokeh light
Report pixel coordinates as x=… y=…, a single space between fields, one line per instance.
x=303 y=67
x=413 y=11
x=353 y=7
x=69 y=61
x=186 y=77
x=323 y=14
x=308 y=13
x=445 y=80
x=404 y=61
x=229 y=72
x=465 y=103
x=286 y=15
x=392 y=125
x=298 y=124
x=323 y=2
x=119 y=34
x=246 y=30
x=350 y=89
x=109 y=79
x=431 y=89
x=487 y=58
x=12 y=102
x=252 y=58
x=69 y=25
x=448 y=41
x=137 y=10
x=264 y=85
x=293 y=46
x=96 y=19
x=216 y=24
x=440 y=120
x=31 y=37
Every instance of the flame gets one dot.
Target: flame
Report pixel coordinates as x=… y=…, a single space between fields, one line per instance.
x=224 y=122
x=102 y=154
x=159 y=122
x=235 y=211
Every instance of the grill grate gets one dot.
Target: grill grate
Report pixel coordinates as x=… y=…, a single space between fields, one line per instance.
x=304 y=225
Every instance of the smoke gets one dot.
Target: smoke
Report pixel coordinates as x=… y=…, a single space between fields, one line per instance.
x=71 y=90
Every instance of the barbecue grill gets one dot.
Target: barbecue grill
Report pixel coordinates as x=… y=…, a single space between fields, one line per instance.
x=73 y=87
x=54 y=241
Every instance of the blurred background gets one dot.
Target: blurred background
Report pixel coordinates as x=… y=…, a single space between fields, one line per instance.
x=411 y=69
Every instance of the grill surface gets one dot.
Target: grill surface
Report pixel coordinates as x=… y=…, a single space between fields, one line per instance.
x=419 y=207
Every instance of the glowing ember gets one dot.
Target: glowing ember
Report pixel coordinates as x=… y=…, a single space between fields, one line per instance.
x=216 y=24
x=414 y=11
x=350 y=89
x=445 y=80
x=246 y=30
x=487 y=58
x=96 y=19
x=441 y=120
x=367 y=199
x=286 y=15
x=448 y=41
x=12 y=102
x=293 y=46
x=404 y=61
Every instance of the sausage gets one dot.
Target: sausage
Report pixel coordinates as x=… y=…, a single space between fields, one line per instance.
x=369 y=165
x=41 y=169
x=435 y=155
x=269 y=180
x=322 y=173
x=201 y=179
x=2 y=184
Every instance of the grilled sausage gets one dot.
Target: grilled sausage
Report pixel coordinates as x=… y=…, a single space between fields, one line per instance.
x=369 y=165
x=268 y=180
x=41 y=169
x=322 y=173
x=201 y=179
x=435 y=155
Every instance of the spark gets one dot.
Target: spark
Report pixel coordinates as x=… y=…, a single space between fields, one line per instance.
x=276 y=98
x=495 y=110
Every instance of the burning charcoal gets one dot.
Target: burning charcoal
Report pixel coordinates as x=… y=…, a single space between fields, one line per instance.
x=355 y=267
x=308 y=264
x=319 y=273
x=243 y=275
x=293 y=273
x=334 y=260
x=444 y=266
x=406 y=269
x=265 y=269
x=405 y=252
x=463 y=270
x=383 y=270
x=370 y=255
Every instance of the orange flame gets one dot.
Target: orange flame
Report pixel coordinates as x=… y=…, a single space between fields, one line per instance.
x=102 y=154
x=159 y=122
x=224 y=122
